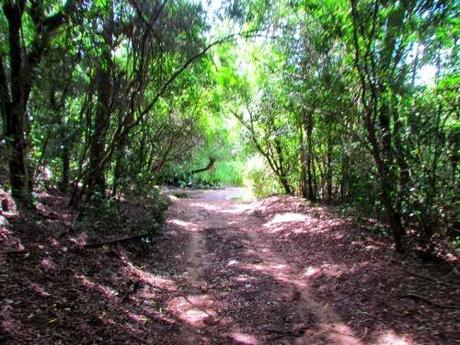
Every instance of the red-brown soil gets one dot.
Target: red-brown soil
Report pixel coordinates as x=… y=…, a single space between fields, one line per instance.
x=226 y=271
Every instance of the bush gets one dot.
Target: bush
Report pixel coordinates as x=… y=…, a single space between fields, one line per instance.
x=260 y=179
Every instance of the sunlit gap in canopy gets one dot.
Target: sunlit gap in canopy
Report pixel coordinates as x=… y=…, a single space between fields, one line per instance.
x=425 y=74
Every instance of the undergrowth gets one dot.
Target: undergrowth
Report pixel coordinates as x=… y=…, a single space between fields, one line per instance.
x=132 y=215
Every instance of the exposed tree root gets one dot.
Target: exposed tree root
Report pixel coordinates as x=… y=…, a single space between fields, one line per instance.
x=90 y=245
x=18 y=251
x=422 y=276
x=426 y=300
x=117 y=240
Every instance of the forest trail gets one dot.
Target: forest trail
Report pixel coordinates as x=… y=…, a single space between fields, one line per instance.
x=347 y=109
x=237 y=287
x=228 y=270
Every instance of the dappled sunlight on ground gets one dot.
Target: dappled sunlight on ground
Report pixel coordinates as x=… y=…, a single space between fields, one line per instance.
x=204 y=206
x=288 y=224
x=156 y=281
x=189 y=226
x=80 y=239
x=48 y=263
x=287 y=218
x=242 y=338
x=298 y=285
x=196 y=310
x=350 y=270
x=40 y=290
x=391 y=338
x=107 y=292
x=341 y=334
x=275 y=271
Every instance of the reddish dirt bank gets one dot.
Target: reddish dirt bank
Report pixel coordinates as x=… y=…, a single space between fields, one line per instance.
x=231 y=271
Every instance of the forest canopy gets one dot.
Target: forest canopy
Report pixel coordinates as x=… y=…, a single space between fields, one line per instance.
x=351 y=103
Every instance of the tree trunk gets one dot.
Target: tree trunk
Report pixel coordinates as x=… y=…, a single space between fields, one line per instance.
x=394 y=218
x=344 y=176
x=310 y=174
x=19 y=172
x=303 y=165
x=284 y=182
x=95 y=179
x=118 y=170
x=282 y=169
x=371 y=67
x=387 y=193
x=329 y=168
x=65 y=157
x=14 y=93
x=15 y=110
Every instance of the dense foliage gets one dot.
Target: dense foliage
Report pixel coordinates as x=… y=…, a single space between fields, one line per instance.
x=351 y=102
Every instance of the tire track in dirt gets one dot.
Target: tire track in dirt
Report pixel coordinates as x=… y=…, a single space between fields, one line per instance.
x=238 y=289
x=195 y=307
x=188 y=308
x=330 y=328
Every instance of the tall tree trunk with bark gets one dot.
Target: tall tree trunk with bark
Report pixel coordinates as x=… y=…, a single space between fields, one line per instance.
x=19 y=172
x=387 y=186
x=65 y=158
x=372 y=67
x=310 y=169
x=95 y=178
x=303 y=165
x=282 y=174
x=329 y=167
x=14 y=93
x=15 y=106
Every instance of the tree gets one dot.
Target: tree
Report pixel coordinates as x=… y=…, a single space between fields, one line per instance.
x=24 y=56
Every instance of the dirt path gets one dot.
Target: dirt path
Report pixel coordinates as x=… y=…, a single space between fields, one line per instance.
x=277 y=271
x=228 y=270
x=236 y=287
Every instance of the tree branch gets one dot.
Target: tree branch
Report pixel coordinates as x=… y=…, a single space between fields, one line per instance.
x=211 y=163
